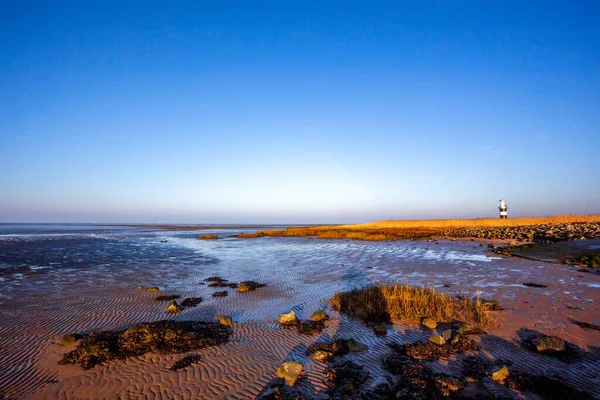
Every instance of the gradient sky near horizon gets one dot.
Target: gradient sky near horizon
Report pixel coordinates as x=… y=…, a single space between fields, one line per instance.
x=297 y=111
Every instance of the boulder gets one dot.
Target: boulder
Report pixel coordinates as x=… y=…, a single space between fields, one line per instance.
x=322 y=355
x=174 y=308
x=380 y=329
x=319 y=316
x=448 y=334
x=288 y=318
x=549 y=343
x=437 y=339
x=340 y=347
x=500 y=375
x=429 y=323
x=356 y=346
x=225 y=320
x=290 y=371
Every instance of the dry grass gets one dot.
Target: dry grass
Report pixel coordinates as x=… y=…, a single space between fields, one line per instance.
x=475 y=223
x=408 y=303
x=208 y=237
x=414 y=229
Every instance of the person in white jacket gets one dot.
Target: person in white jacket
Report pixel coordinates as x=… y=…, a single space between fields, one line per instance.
x=503 y=209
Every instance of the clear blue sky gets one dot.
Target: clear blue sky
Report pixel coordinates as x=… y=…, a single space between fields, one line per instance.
x=297 y=111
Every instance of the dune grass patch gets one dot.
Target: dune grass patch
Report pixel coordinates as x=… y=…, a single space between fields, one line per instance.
x=408 y=303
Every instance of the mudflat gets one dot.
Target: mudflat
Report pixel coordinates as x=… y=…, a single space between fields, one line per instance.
x=59 y=284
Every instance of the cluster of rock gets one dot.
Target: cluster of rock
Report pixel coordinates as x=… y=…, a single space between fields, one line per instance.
x=543 y=234
x=315 y=324
x=162 y=337
x=242 y=287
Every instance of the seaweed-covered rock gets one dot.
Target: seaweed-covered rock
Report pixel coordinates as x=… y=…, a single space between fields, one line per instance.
x=546 y=386
x=310 y=327
x=548 y=343
x=174 y=308
x=249 y=286
x=356 y=346
x=290 y=371
x=319 y=316
x=346 y=379
x=288 y=318
x=224 y=293
x=191 y=302
x=431 y=351
x=154 y=289
x=167 y=297
x=208 y=236
x=162 y=337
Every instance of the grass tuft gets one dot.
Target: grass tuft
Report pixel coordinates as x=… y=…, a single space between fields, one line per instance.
x=408 y=303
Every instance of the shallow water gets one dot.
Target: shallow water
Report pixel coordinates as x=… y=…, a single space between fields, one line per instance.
x=57 y=280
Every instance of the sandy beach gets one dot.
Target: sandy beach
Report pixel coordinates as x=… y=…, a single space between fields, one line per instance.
x=38 y=305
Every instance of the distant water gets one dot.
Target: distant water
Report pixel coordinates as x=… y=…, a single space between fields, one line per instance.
x=27 y=250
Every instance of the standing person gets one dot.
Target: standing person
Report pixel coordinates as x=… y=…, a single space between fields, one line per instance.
x=503 y=209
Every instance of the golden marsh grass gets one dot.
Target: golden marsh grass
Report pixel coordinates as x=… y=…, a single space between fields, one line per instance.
x=407 y=303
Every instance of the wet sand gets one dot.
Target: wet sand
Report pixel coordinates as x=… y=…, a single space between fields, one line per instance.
x=301 y=275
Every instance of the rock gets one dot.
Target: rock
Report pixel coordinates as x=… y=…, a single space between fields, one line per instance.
x=500 y=375
x=318 y=316
x=340 y=347
x=174 y=308
x=225 y=320
x=288 y=318
x=548 y=343
x=429 y=323
x=491 y=305
x=356 y=346
x=224 y=293
x=322 y=355
x=437 y=339
x=191 y=302
x=66 y=340
x=154 y=289
x=380 y=329
x=290 y=371
x=448 y=334
x=142 y=287
x=249 y=286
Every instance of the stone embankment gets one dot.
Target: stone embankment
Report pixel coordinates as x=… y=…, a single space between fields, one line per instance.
x=542 y=234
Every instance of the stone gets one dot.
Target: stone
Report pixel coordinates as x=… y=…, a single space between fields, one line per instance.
x=356 y=346
x=290 y=371
x=340 y=347
x=549 y=343
x=322 y=355
x=174 y=308
x=491 y=305
x=437 y=339
x=142 y=287
x=318 y=316
x=380 y=329
x=429 y=323
x=225 y=320
x=154 y=289
x=288 y=318
x=66 y=340
x=448 y=334
x=500 y=375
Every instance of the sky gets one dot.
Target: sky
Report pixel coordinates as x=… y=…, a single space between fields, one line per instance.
x=297 y=111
